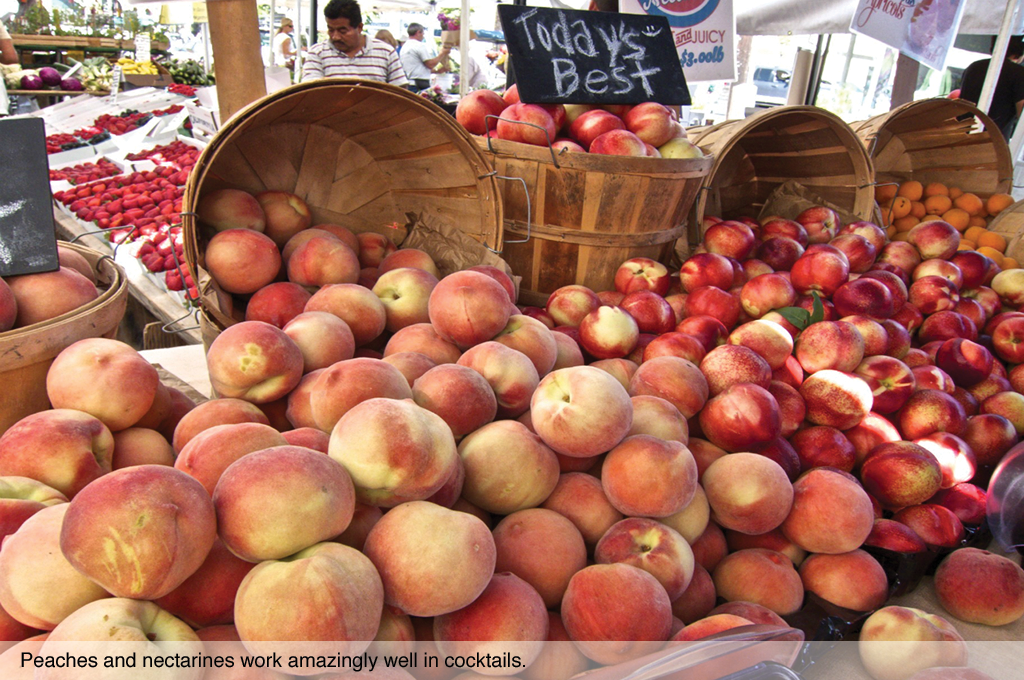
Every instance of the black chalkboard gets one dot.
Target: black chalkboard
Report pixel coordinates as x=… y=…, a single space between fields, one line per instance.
x=566 y=56
x=28 y=243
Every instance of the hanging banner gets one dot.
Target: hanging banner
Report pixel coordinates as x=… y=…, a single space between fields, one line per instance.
x=921 y=29
x=704 y=32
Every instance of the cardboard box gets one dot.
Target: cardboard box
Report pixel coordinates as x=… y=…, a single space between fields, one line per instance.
x=161 y=80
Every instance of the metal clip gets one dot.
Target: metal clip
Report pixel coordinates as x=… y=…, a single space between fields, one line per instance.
x=490 y=148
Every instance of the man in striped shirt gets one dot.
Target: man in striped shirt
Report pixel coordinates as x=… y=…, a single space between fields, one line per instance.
x=347 y=53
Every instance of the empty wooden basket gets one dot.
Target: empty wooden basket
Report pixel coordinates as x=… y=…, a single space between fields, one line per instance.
x=755 y=155
x=588 y=213
x=939 y=140
x=362 y=154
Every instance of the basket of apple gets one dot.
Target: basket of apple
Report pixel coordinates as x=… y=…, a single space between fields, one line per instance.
x=601 y=184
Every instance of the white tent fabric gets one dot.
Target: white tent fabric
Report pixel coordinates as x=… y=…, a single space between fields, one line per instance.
x=800 y=17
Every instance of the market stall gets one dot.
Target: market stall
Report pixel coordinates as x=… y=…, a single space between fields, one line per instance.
x=561 y=390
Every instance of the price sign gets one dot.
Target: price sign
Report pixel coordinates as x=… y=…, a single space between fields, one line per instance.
x=142 y=48
x=28 y=243
x=567 y=56
x=115 y=82
x=199 y=15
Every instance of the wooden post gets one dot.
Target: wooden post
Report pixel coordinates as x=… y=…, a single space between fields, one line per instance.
x=905 y=82
x=235 y=36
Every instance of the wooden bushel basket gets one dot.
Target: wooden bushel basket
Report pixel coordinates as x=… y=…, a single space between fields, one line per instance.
x=362 y=154
x=26 y=353
x=939 y=140
x=588 y=214
x=1010 y=223
x=755 y=155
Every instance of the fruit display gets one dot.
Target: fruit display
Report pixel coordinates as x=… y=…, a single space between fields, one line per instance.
x=183 y=90
x=85 y=172
x=646 y=130
x=143 y=68
x=33 y=298
x=103 y=127
x=96 y=75
x=911 y=203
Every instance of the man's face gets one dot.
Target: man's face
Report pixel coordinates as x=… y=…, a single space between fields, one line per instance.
x=344 y=36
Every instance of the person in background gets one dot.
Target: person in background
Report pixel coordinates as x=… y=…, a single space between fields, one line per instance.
x=8 y=55
x=348 y=53
x=284 y=48
x=384 y=35
x=1008 y=96
x=418 y=58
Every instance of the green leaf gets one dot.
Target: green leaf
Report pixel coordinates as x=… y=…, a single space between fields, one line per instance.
x=798 y=316
x=818 y=313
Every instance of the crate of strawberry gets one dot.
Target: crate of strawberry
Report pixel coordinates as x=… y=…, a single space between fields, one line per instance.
x=85 y=172
x=144 y=200
x=182 y=89
x=122 y=123
x=163 y=252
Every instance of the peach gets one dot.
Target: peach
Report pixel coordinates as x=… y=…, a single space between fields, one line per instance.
x=38 y=586
x=731 y=364
x=72 y=259
x=716 y=303
x=323 y=339
x=872 y=431
x=409 y=258
x=22 y=497
x=894 y=536
x=864 y=296
x=231 y=209
x=373 y=248
x=346 y=384
x=935 y=524
x=836 y=345
x=581 y=498
x=215 y=412
x=298 y=411
x=61 y=448
x=34 y=298
x=540 y=129
x=754 y=613
x=823 y=446
x=568 y=352
x=509 y=616
x=242 y=261
x=459 y=395
x=609 y=332
x=659 y=418
x=561 y=661
x=324 y=577
x=616 y=603
x=419 y=543
x=422 y=338
x=411 y=364
x=900 y=474
x=677 y=345
x=140 y=446
x=783 y=453
x=363 y=520
x=935 y=239
x=710 y=625
x=8 y=307
x=748 y=492
x=104 y=378
x=835 y=398
x=768 y=339
x=285 y=215
x=293 y=243
x=650 y=477
x=766 y=292
x=741 y=417
x=651 y=546
x=568 y=305
x=761 y=576
x=791 y=407
x=394 y=450
x=139 y=532
x=730 y=238
x=892 y=382
x=543 y=548
x=474 y=108
x=710 y=547
x=278 y=501
x=642 y=273
x=770 y=540
x=207 y=597
x=929 y=411
x=405 y=292
x=706 y=269
x=831 y=513
x=508 y=468
x=321 y=261
x=254 y=361
x=581 y=411
x=621 y=369
x=821 y=270
x=467 y=308
x=897 y=642
x=1009 y=404
x=852 y=580
x=510 y=373
x=990 y=436
x=698 y=599
x=357 y=306
x=532 y=338
x=980 y=587
x=779 y=252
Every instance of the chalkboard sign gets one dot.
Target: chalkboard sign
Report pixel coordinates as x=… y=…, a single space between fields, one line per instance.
x=28 y=243
x=567 y=56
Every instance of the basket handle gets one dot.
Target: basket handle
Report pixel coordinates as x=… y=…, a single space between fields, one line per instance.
x=490 y=148
x=166 y=328
x=529 y=210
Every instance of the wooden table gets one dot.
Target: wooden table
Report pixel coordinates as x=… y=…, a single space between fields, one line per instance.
x=42 y=93
x=148 y=302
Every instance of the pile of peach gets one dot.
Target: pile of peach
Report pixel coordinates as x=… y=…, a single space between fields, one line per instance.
x=686 y=454
x=911 y=203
